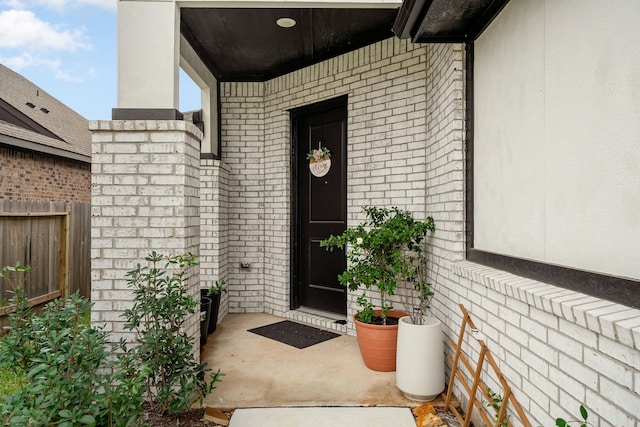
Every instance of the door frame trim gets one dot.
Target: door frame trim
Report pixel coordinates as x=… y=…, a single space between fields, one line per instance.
x=294 y=116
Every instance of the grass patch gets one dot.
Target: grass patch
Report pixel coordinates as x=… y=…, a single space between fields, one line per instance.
x=9 y=383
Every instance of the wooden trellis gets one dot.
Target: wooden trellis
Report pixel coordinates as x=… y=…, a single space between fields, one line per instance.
x=508 y=397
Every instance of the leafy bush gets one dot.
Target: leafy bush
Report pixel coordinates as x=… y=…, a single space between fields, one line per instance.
x=379 y=253
x=161 y=305
x=65 y=374
x=61 y=363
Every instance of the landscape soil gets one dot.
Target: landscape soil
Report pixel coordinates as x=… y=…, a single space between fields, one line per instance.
x=194 y=418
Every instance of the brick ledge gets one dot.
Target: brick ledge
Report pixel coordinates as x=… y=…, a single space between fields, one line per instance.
x=145 y=126
x=615 y=321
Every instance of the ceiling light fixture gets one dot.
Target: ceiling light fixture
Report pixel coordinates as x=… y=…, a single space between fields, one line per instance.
x=286 y=22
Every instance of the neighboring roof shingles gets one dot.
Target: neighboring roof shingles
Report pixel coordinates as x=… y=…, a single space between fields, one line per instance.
x=33 y=141
x=60 y=120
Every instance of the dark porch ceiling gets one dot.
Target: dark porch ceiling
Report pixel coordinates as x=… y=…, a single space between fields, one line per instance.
x=246 y=44
x=450 y=21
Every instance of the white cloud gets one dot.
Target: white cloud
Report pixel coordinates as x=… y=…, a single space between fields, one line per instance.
x=23 y=29
x=25 y=60
x=51 y=4
x=60 y=5
x=14 y=4
x=109 y=5
x=65 y=76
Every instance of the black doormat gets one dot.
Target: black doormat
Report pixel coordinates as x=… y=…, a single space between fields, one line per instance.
x=294 y=334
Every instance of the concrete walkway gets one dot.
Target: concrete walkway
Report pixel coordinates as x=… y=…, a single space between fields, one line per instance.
x=325 y=417
x=263 y=373
x=270 y=384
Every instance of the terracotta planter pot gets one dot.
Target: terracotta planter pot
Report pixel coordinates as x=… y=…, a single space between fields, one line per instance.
x=378 y=343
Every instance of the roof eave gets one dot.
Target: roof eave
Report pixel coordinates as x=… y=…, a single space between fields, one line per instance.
x=42 y=149
x=464 y=21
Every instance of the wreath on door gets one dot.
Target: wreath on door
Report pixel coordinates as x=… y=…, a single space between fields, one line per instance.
x=319 y=160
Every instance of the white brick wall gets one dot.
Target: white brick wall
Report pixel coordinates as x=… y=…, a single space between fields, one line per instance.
x=244 y=152
x=557 y=348
x=406 y=115
x=145 y=197
x=386 y=129
x=214 y=227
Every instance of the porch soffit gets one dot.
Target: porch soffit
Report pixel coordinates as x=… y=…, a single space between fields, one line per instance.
x=450 y=21
x=238 y=44
x=245 y=44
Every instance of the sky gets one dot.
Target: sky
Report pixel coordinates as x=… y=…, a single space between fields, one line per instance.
x=68 y=49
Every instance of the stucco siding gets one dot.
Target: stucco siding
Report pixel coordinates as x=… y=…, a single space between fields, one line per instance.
x=557 y=140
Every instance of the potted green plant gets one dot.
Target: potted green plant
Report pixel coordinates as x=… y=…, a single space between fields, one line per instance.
x=420 y=372
x=215 y=292
x=205 y=318
x=376 y=258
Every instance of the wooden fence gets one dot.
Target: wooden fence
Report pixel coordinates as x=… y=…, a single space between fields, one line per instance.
x=54 y=239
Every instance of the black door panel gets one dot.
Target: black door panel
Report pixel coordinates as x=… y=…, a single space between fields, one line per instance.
x=321 y=211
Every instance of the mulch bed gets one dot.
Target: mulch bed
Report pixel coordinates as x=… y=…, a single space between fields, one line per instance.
x=192 y=418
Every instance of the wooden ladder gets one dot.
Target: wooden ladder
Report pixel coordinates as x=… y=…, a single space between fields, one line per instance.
x=501 y=418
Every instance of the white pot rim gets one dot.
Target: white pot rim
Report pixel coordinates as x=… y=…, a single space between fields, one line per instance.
x=428 y=321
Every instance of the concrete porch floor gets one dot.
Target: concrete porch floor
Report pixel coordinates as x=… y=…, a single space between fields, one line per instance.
x=260 y=372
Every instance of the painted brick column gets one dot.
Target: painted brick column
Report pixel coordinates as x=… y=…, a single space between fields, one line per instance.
x=214 y=227
x=145 y=197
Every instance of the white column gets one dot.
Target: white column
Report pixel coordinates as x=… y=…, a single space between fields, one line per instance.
x=200 y=74
x=148 y=54
x=145 y=197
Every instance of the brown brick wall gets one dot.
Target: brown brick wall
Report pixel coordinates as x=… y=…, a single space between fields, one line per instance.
x=31 y=176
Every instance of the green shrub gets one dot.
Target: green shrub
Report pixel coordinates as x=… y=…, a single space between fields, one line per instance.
x=62 y=368
x=66 y=376
x=161 y=306
x=379 y=255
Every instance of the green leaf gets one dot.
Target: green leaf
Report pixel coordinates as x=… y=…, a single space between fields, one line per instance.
x=65 y=413
x=18 y=421
x=560 y=422
x=87 y=419
x=583 y=412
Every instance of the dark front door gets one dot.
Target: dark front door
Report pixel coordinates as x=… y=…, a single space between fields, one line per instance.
x=320 y=206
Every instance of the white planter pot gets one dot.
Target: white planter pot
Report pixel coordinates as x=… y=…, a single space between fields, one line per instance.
x=420 y=359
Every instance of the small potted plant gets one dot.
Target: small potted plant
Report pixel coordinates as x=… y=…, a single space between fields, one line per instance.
x=215 y=292
x=205 y=318
x=376 y=256
x=420 y=372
